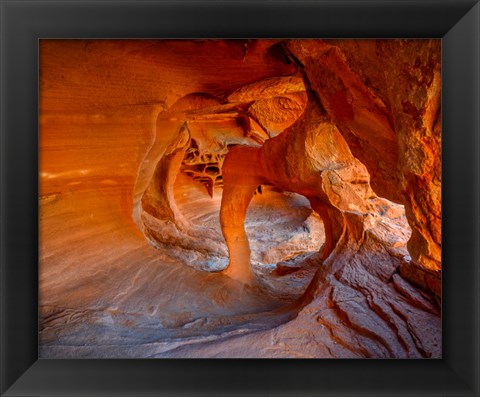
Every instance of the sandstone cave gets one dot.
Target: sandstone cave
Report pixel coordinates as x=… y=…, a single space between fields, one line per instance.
x=240 y=199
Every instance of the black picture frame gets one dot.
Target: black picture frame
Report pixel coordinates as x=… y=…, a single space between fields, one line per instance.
x=22 y=23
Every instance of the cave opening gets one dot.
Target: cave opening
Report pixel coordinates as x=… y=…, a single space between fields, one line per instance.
x=284 y=232
x=281 y=236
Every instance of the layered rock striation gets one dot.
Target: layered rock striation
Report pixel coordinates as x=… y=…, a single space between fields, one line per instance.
x=240 y=198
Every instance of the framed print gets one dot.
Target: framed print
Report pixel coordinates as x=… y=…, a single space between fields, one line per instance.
x=229 y=198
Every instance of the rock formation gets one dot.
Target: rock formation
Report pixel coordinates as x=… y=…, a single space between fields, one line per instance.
x=240 y=198
x=310 y=158
x=384 y=96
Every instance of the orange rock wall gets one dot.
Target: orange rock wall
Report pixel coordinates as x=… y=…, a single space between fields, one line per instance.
x=384 y=96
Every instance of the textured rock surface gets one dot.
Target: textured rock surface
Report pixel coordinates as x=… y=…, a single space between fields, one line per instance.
x=310 y=158
x=384 y=96
x=150 y=148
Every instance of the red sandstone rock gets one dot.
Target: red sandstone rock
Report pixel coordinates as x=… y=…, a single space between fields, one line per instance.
x=134 y=138
x=384 y=96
